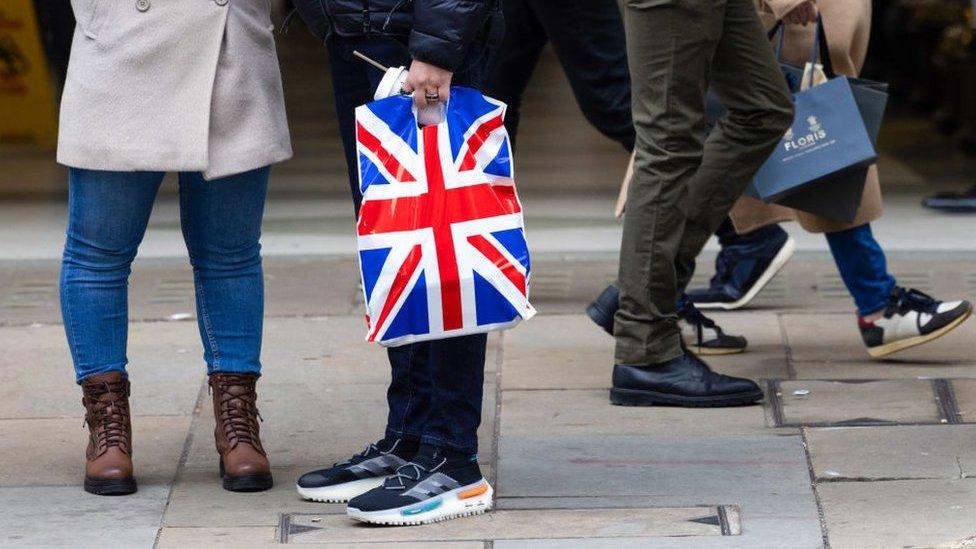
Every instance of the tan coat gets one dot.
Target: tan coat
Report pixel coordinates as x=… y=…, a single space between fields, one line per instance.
x=173 y=85
x=847 y=23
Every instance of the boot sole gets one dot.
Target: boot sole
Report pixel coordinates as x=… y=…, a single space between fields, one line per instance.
x=632 y=397
x=902 y=344
x=247 y=483
x=110 y=487
x=782 y=257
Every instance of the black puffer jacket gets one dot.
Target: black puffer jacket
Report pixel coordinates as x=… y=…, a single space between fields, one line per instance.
x=438 y=31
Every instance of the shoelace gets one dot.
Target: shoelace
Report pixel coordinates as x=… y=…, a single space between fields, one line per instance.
x=914 y=300
x=110 y=415
x=397 y=482
x=697 y=319
x=240 y=411
x=356 y=458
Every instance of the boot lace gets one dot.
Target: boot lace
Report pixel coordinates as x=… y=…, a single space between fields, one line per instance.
x=108 y=418
x=239 y=412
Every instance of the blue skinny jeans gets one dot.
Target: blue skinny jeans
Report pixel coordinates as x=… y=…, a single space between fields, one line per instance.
x=108 y=213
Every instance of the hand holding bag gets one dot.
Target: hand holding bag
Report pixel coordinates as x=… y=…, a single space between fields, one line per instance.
x=441 y=237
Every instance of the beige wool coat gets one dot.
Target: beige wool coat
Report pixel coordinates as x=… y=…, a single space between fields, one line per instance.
x=173 y=85
x=847 y=24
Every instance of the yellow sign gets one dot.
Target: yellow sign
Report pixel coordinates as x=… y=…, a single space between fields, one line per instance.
x=26 y=96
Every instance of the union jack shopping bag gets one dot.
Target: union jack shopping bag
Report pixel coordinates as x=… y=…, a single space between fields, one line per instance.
x=441 y=240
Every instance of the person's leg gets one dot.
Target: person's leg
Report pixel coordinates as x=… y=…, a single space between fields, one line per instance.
x=455 y=407
x=107 y=217
x=353 y=83
x=588 y=38
x=891 y=318
x=516 y=60
x=221 y=222
x=863 y=268
x=669 y=53
x=748 y=81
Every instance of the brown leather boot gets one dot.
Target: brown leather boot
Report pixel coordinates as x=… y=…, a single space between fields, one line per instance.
x=243 y=464
x=108 y=470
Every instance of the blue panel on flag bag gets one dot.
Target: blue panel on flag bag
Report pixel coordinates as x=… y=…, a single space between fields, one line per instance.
x=441 y=237
x=820 y=163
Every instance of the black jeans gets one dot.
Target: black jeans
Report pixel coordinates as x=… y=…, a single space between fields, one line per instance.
x=588 y=37
x=436 y=391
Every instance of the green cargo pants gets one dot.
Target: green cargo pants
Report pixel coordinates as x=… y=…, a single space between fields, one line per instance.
x=685 y=185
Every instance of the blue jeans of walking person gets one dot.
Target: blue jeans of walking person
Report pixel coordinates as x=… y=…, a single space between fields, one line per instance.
x=436 y=390
x=863 y=268
x=108 y=213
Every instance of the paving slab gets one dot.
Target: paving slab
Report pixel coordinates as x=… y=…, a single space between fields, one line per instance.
x=588 y=412
x=909 y=513
x=812 y=402
x=763 y=474
x=766 y=355
x=160 y=287
x=44 y=516
x=198 y=500
x=781 y=536
x=312 y=425
x=910 y=452
x=327 y=351
x=826 y=337
x=557 y=352
x=965 y=393
x=523 y=524
x=887 y=369
x=166 y=369
x=51 y=452
x=264 y=537
x=570 y=352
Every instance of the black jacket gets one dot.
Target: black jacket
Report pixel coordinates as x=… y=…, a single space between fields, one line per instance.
x=437 y=31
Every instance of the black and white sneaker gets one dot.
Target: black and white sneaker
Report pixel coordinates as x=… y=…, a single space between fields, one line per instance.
x=437 y=485
x=360 y=474
x=703 y=336
x=911 y=318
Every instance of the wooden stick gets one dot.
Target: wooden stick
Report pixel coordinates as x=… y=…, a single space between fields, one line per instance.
x=370 y=61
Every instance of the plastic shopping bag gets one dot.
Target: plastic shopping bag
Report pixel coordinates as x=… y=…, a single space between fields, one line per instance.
x=441 y=238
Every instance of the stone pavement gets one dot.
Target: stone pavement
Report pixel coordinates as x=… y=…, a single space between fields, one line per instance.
x=844 y=451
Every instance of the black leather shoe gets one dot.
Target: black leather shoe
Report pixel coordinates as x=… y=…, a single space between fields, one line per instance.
x=683 y=381
x=602 y=309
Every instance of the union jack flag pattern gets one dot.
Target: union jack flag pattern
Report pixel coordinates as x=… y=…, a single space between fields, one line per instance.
x=441 y=238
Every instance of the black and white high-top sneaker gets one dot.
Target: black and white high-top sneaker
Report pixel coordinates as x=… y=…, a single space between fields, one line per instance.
x=361 y=473
x=437 y=485
x=911 y=318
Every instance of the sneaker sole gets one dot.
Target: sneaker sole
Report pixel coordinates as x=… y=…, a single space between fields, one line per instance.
x=780 y=261
x=716 y=351
x=473 y=499
x=340 y=493
x=902 y=344
x=632 y=397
